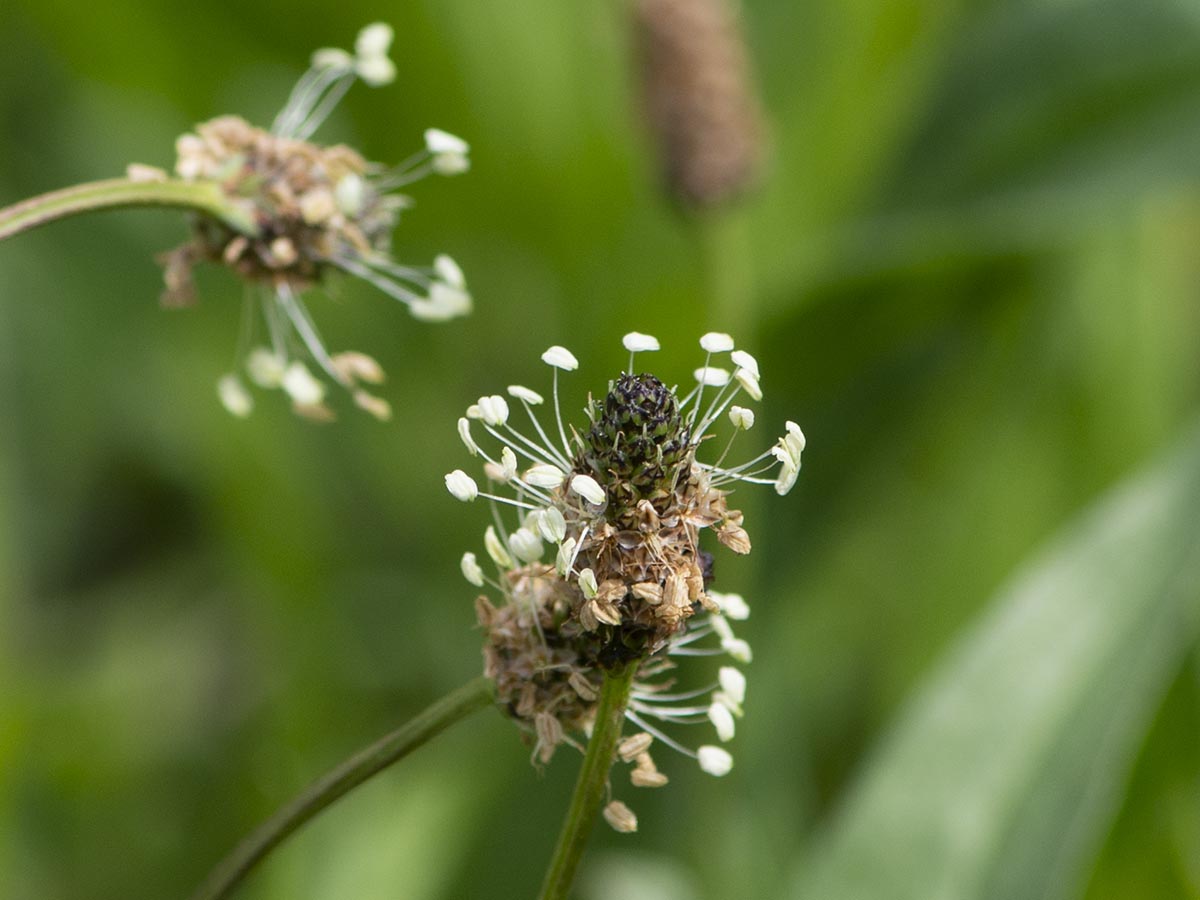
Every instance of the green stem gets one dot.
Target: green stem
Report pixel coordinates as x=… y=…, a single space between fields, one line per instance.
x=201 y=196
x=369 y=761
x=726 y=259
x=591 y=787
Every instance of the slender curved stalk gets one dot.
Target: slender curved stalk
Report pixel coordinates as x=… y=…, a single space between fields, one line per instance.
x=590 y=787
x=201 y=196
x=369 y=761
x=727 y=266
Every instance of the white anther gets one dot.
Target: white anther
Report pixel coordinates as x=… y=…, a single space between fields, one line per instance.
x=714 y=760
x=234 y=396
x=493 y=410
x=741 y=417
x=716 y=342
x=464 y=432
x=471 y=570
x=712 y=376
x=589 y=489
x=552 y=526
x=496 y=549
x=526 y=545
x=544 y=475
x=533 y=398
x=560 y=358
x=636 y=342
x=722 y=720
x=462 y=486
x=745 y=361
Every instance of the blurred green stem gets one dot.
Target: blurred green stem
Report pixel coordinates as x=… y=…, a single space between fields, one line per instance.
x=200 y=196
x=340 y=781
x=592 y=783
x=725 y=254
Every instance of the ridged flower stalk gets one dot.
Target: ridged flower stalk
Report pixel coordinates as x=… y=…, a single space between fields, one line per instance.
x=592 y=785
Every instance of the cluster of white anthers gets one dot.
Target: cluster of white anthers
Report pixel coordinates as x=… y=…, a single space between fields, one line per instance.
x=318 y=209
x=602 y=564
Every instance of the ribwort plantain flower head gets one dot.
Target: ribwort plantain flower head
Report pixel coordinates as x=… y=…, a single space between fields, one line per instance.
x=603 y=563
x=318 y=210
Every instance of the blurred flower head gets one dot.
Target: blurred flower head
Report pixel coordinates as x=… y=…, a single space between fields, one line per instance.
x=317 y=210
x=602 y=565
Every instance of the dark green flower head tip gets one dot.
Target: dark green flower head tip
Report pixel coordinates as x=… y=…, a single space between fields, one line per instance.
x=638 y=439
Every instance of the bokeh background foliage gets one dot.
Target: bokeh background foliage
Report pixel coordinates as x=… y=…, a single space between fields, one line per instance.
x=971 y=275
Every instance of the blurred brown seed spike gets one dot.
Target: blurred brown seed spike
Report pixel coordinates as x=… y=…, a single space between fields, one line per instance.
x=699 y=98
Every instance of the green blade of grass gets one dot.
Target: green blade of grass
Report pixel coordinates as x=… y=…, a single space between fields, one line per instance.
x=1003 y=774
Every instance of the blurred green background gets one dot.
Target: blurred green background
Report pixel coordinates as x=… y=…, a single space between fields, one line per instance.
x=972 y=277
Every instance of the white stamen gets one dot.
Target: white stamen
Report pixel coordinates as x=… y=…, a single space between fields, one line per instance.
x=508 y=464
x=544 y=475
x=526 y=545
x=738 y=649
x=560 y=358
x=350 y=195
x=438 y=141
x=587 y=583
x=744 y=360
x=464 y=432
x=443 y=304
x=732 y=605
x=552 y=526
x=533 y=398
x=788 y=474
x=374 y=39
x=371 y=47
x=795 y=440
x=733 y=684
x=266 y=369
x=742 y=418
x=496 y=549
x=448 y=151
x=471 y=570
x=564 y=557
x=712 y=376
x=587 y=488
x=716 y=342
x=448 y=270
x=462 y=486
x=714 y=760
x=722 y=720
x=636 y=342
x=332 y=58
x=301 y=386
x=493 y=410
x=749 y=383
x=234 y=396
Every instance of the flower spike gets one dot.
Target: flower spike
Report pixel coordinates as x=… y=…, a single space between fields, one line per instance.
x=623 y=504
x=318 y=211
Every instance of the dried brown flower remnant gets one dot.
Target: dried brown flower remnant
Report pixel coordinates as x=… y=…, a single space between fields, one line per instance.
x=316 y=210
x=699 y=99
x=293 y=188
x=621 y=505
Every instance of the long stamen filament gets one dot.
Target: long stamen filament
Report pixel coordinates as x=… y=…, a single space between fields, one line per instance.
x=558 y=416
x=650 y=729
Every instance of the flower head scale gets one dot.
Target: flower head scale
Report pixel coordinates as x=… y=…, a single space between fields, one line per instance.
x=318 y=210
x=623 y=502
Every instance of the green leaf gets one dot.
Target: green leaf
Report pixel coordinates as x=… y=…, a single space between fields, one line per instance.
x=1006 y=770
